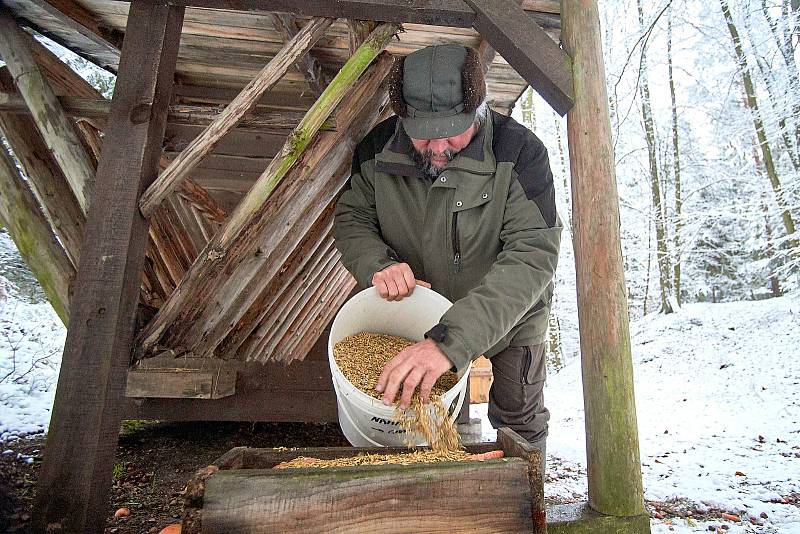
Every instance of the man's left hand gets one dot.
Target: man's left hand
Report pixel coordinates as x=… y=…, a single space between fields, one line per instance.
x=420 y=365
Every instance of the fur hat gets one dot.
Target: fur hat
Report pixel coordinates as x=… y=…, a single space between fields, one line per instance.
x=436 y=90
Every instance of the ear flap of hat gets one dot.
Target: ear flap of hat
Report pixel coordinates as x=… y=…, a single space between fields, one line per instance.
x=472 y=83
x=396 y=87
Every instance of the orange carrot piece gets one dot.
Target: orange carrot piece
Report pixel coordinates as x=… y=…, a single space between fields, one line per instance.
x=730 y=517
x=491 y=455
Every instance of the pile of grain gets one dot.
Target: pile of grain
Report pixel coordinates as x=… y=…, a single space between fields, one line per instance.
x=361 y=358
x=420 y=456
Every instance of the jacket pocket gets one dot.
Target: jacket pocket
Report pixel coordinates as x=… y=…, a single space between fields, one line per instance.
x=456 y=243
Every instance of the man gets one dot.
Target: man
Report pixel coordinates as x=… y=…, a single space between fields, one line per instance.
x=461 y=197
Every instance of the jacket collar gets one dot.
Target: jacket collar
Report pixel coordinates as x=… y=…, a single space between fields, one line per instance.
x=476 y=158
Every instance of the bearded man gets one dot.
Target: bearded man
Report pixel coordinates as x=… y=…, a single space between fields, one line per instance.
x=453 y=194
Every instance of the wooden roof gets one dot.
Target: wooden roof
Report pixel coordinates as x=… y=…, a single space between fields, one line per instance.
x=220 y=52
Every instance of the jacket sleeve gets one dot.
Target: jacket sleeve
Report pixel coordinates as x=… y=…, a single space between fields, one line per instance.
x=516 y=281
x=357 y=232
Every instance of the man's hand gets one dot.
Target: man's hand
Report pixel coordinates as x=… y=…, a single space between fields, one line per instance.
x=396 y=282
x=420 y=365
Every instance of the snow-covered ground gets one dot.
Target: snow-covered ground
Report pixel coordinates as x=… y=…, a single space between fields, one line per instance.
x=716 y=391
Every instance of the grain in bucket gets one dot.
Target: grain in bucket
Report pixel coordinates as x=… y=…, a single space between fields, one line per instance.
x=366 y=421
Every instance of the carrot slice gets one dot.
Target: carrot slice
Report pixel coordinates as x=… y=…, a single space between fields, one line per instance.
x=491 y=455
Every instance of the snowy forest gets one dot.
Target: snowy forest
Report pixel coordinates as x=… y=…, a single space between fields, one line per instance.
x=704 y=100
x=705 y=115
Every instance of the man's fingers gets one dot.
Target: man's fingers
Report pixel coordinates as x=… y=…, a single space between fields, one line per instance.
x=423 y=283
x=395 y=379
x=410 y=385
x=426 y=387
x=408 y=280
x=394 y=291
x=387 y=370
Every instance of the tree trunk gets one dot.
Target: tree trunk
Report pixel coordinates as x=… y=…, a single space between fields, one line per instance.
x=758 y=124
x=676 y=166
x=662 y=253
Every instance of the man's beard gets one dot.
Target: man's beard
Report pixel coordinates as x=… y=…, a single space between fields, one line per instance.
x=423 y=159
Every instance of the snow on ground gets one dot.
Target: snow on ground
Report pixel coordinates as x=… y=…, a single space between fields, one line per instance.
x=718 y=413
x=716 y=394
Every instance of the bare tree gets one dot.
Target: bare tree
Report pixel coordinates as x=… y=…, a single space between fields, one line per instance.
x=662 y=253
x=676 y=166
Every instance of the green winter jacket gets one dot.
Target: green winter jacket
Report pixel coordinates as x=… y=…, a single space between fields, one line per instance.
x=485 y=233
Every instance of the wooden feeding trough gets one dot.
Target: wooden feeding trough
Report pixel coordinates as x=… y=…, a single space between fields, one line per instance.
x=241 y=492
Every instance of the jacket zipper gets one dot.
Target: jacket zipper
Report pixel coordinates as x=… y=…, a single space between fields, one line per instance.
x=456 y=245
x=526 y=366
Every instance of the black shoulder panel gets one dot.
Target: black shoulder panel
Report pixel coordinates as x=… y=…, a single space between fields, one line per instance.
x=373 y=142
x=516 y=144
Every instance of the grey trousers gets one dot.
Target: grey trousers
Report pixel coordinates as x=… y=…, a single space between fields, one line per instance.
x=516 y=398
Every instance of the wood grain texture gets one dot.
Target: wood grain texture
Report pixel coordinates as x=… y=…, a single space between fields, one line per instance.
x=30 y=230
x=238 y=108
x=527 y=48
x=492 y=496
x=612 y=444
x=57 y=130
x=76 y=474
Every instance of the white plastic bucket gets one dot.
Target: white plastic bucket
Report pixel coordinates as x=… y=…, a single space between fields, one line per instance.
x=366 y=421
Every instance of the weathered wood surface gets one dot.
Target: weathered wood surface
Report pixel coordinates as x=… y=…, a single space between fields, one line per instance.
x=181 y=378
x=241 y=105
x=455 y=13
x=307 y=64
x=416 y=498
x=61 y=208
x=527 y=48
x=612 y=445
x=244 y=235
x=57 y=130
x=196 y=115
x=72 y=25
x=75 y=477
x=31 y=233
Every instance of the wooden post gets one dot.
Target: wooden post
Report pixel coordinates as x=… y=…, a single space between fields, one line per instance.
x=57 y=130
x=31 y=232
x=612 y=446
x=247 y=99
x=75 y=478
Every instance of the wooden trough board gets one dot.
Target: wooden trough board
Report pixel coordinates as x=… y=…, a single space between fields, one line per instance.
x=246 y=495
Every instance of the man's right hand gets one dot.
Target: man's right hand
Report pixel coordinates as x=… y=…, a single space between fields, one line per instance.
x=396 y=282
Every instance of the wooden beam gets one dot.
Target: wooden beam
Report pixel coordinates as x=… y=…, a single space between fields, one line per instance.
x=57 y=130
x=612 y=442
x=453 y=13
x=75 y=18
x=527 y=48
x=30 y=231
x=307 y=64
x=232 y=282
x=75 y=478
x=247 y=99
x=97 y=110
x=227 y=246
x=48 y=183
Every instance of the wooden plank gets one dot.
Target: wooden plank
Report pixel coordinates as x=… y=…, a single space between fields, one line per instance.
x=57 y=131
x=75 y=478
x=61 y=208
x=179 y=137
x=527 y=48
x=240 y=240
x=612 y=442
x=72 y=26
x=413 y=498
x=188 y=93
x=240 y=106
x=181 y=383
x=197 y=115
x=31 y=233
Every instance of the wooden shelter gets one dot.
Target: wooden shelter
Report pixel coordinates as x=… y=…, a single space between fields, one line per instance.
x=183 y=230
